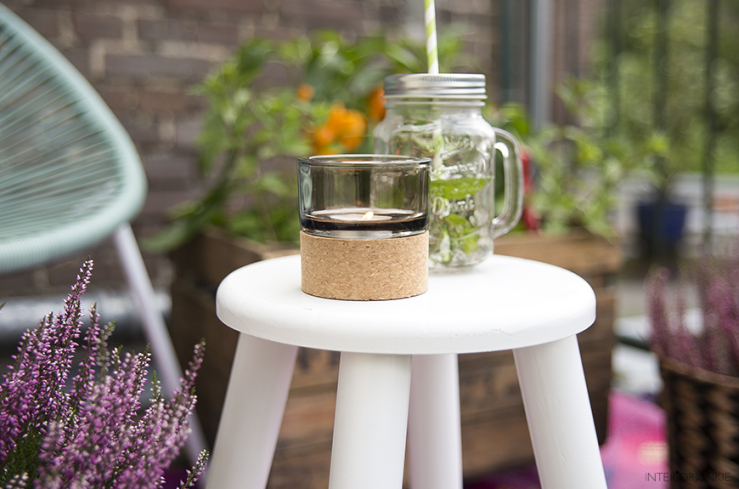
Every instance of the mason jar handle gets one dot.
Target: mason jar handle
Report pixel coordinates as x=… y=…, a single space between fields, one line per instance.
x=513 y=183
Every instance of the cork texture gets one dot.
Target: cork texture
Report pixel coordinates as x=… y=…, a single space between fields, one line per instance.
x=364 y=269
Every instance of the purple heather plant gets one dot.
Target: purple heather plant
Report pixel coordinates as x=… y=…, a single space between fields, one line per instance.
x=716 y=347
x=88 y=433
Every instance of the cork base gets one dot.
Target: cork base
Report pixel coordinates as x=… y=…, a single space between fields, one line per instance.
x=364 y=269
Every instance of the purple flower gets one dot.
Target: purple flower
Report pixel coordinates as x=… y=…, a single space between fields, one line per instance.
x=88 y=434
x=716 y=347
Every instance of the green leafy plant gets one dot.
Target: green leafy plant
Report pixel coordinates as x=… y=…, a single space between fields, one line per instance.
x=680 y=136
x=244 y=131
x=251 y=134
x=578 y=167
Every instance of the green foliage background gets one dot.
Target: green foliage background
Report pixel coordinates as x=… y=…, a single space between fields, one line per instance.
x=578 y=167
x=685 y=127
x=250 y=131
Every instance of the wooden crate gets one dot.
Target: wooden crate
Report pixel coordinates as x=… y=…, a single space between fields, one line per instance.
x=494 y=430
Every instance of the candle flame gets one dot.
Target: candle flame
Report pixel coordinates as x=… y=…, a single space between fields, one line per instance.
x=368 y=216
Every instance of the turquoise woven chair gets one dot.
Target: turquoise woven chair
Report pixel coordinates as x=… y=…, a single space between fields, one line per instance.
x=69 y=176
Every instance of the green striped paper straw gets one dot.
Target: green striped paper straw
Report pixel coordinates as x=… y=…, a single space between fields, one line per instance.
x=431 y=53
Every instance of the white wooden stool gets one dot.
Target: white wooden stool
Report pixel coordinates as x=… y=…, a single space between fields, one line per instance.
x=505 y=303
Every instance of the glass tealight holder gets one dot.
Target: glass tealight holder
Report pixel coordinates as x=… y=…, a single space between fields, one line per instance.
x=363 y=221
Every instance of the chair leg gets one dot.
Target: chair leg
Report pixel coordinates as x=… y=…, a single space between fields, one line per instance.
x=371 y=421
x=559 y=416
x=434 y=429
x=168 y=367
x=252 y=414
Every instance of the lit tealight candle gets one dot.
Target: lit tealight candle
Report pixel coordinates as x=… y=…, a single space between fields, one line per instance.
x=363 y=221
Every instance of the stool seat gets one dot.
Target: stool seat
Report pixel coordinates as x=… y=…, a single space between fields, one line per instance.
x=502 y=304
x=398 y=372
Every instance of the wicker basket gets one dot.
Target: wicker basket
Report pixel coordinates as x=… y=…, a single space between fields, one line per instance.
x=702 y=426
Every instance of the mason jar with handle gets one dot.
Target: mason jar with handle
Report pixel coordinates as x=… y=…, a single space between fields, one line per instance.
x=440 y=117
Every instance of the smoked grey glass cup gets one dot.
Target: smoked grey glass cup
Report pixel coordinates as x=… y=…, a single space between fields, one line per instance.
x=363 y=221
x=363 y=196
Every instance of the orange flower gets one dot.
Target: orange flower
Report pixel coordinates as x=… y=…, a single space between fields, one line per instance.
x=323 y=136
x=375 y=101
x=354 y=130
x=343 y=131
x=305 y=91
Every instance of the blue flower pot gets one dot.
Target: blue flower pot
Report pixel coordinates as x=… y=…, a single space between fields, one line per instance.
x=661 y=226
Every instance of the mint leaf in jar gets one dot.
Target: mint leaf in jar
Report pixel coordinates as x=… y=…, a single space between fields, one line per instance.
x=457 y=188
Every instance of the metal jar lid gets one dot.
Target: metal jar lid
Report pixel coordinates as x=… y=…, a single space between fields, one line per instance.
x=442 y=86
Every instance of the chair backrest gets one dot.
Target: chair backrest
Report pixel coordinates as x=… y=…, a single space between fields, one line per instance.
x=69 y=173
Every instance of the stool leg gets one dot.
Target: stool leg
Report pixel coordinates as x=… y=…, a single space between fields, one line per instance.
x=371 y=421
x=559 y=416
x=434 y=430
x=252 y=414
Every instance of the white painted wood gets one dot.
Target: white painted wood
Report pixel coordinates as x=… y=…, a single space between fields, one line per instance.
x=434 y=426
x=252 y=414
x=368 y=449
x=503 y=303
x=559 y=416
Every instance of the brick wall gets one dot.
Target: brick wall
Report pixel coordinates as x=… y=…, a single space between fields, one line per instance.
x=142 y=55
